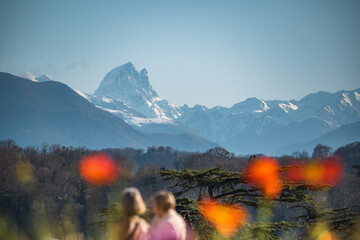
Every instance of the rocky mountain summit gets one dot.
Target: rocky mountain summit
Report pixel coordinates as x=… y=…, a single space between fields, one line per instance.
x=125 y=88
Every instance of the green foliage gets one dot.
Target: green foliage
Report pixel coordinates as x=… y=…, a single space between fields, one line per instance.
x=214 y=180
x=302 y=209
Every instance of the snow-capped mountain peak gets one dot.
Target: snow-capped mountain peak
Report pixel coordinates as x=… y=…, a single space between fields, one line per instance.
x=125 y=82
x=126 y=85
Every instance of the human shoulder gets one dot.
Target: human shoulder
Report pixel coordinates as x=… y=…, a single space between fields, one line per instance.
x=174 y=217
x=143 y=224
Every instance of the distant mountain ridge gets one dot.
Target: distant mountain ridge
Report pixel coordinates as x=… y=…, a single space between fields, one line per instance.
x=341 y=136
x=254 y=125
x=251 y=126
x=33 y=113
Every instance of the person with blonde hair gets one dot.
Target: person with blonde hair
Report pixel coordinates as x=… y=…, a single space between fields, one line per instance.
x=131 y=226
x=167 y=223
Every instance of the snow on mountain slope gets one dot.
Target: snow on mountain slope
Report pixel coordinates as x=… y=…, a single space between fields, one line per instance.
x=136 y=119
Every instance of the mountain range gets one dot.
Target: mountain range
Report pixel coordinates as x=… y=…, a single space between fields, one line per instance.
x=252 y=126
x=34 y=113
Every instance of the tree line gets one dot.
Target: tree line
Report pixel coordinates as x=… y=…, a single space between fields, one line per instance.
x=41 y=192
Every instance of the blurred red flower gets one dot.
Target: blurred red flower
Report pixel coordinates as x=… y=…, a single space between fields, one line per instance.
x=225 y=218
x=325 y=171
x=99 y=169
x=264 y=173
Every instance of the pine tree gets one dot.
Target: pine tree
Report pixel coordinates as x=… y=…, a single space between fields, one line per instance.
x=294 y=211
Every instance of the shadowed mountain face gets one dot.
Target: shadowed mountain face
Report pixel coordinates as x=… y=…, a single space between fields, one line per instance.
x=33 y=113
x=50 y=112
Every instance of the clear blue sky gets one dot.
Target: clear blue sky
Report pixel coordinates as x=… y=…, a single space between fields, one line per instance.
x=196 y=52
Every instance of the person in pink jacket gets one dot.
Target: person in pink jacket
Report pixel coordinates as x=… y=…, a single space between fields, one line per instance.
x=167 y=223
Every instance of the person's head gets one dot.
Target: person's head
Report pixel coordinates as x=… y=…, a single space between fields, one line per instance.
x=131 y=202
x=162 y=202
